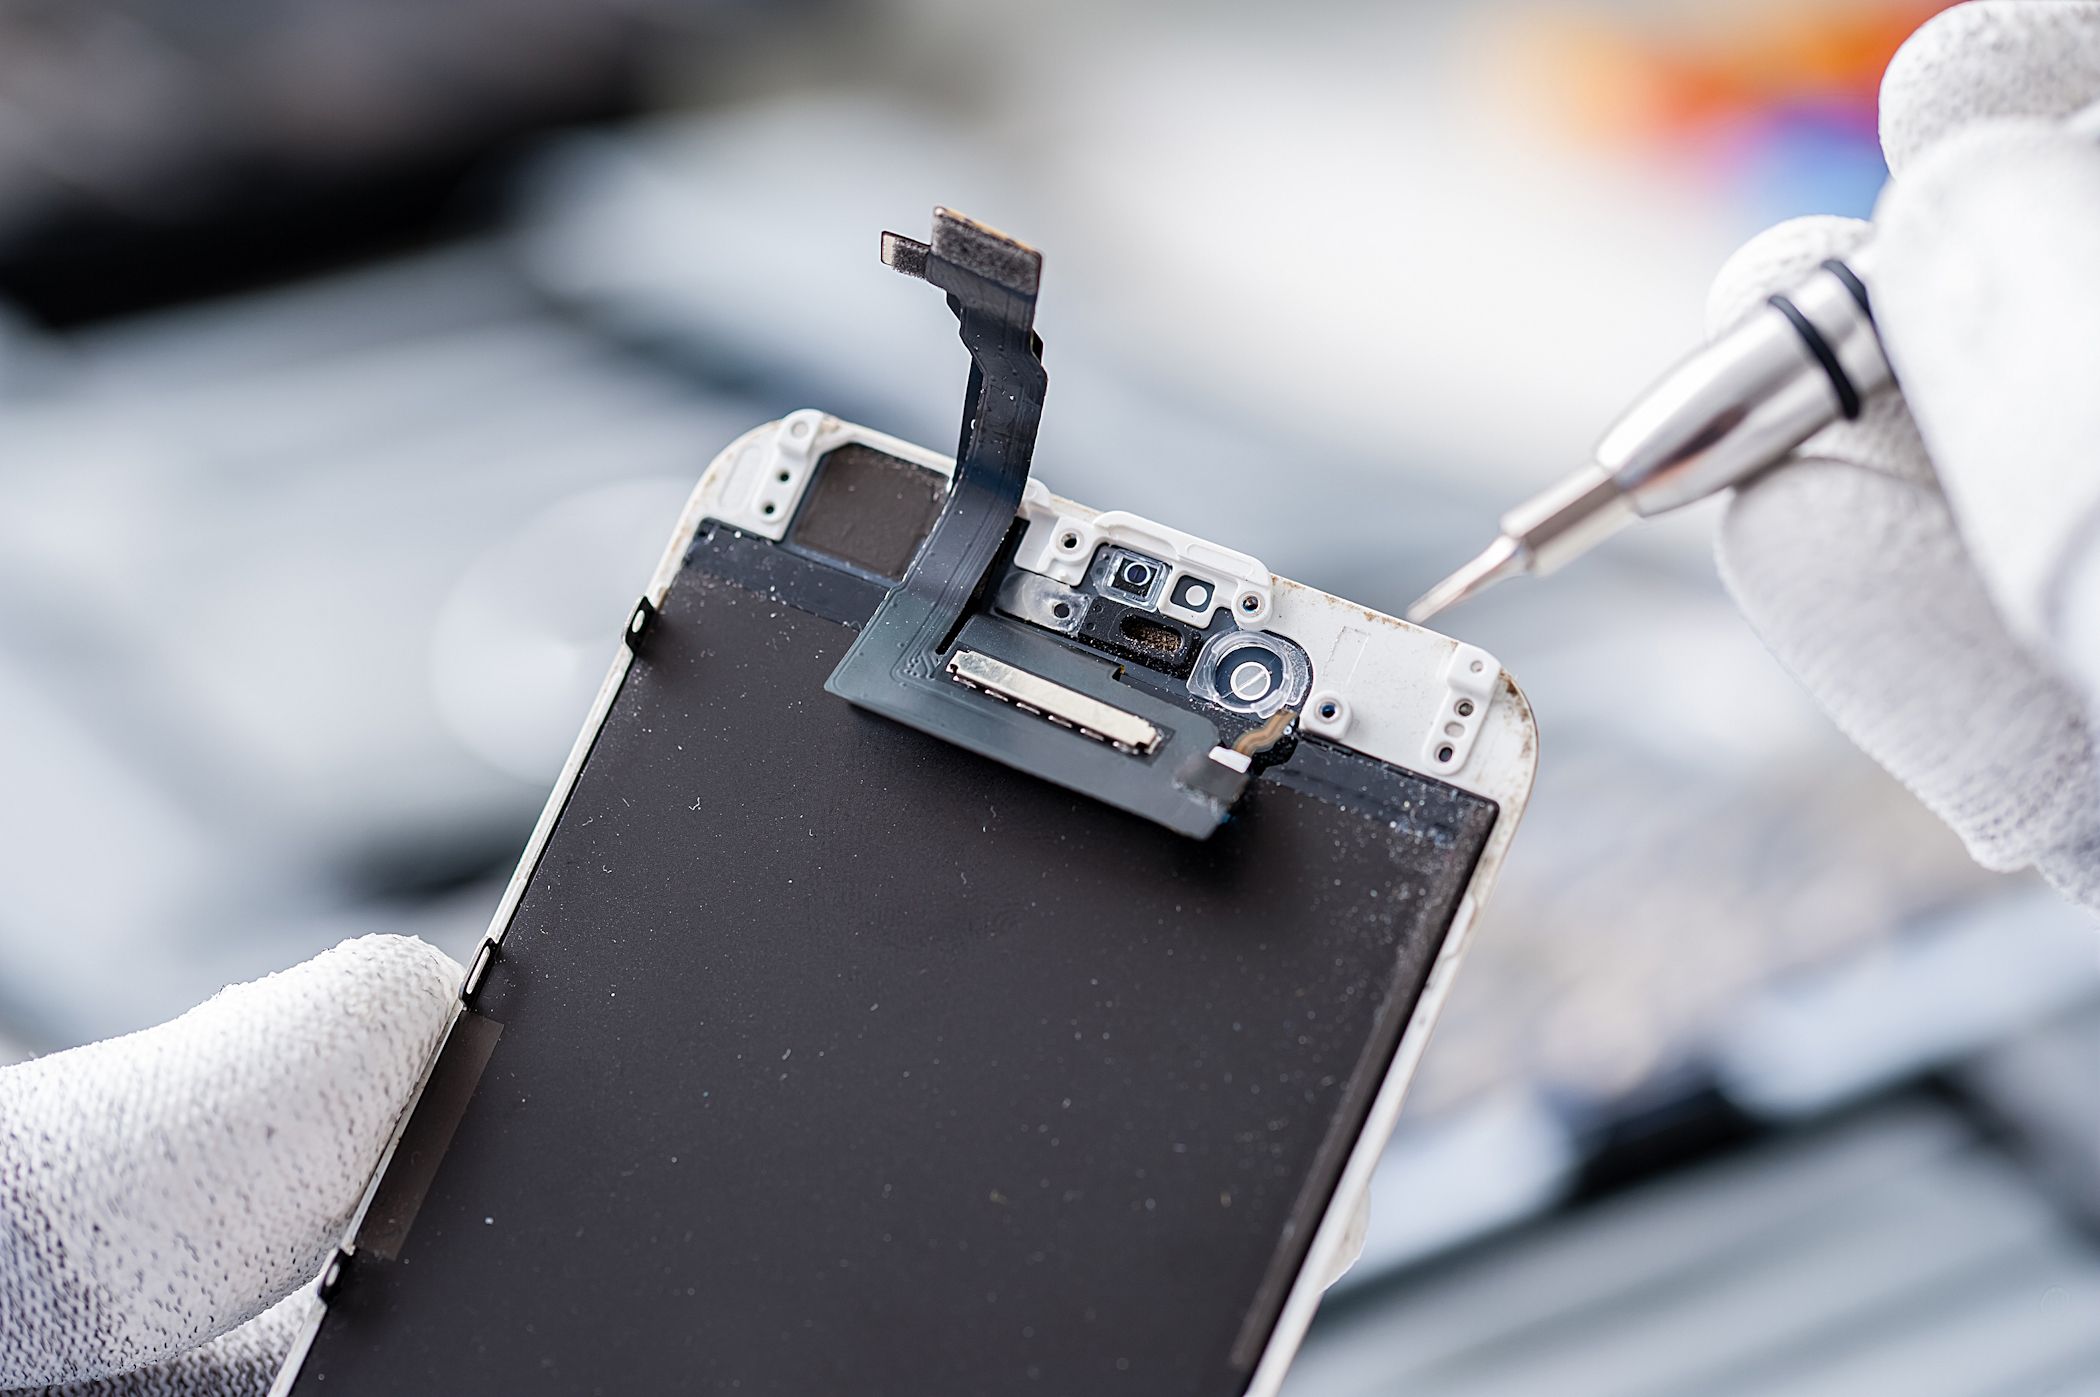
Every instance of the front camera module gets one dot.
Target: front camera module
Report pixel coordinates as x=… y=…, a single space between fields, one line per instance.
x=1128 y=577
x=1251 y=672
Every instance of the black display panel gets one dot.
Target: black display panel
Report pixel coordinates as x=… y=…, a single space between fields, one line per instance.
x=836 y=1059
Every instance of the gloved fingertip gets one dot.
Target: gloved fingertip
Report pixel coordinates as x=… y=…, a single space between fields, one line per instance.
x=243 y=1362
x=1860 y=584
x=1983 y=191
x=164 y=1187
x=1983 y=59
x=399 y=969
x=1985 y=286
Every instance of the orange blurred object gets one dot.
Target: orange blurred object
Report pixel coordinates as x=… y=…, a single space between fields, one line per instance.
x=1589 y=73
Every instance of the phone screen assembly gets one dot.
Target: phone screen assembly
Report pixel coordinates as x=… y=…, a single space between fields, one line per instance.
x=1037 y=1036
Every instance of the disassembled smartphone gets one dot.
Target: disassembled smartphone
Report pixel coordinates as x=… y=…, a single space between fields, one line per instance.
x=978 y=945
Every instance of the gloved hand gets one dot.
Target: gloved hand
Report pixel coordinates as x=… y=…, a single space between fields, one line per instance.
x=166 y=1190
x=1932 y=574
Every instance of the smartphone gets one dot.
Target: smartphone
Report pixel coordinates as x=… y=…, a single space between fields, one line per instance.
x=815 y=1052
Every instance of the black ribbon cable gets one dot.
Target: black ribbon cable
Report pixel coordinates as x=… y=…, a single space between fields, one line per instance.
x=991 y=283
x=898 y=666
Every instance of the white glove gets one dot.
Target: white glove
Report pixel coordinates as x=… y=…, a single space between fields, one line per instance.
x=160 y=1189
x=1941 y=597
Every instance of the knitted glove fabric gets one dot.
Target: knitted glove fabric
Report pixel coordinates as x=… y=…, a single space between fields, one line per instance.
x=1931 y=572
x=160 y=1189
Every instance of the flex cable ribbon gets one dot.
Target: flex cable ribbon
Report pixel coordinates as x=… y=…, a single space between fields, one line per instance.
x=991 y=283
x=1056 y=713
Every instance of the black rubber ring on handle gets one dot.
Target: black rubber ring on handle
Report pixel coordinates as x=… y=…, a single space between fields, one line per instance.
x=1847 y=395
x=1849 y=279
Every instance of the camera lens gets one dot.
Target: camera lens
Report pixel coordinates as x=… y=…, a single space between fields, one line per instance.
x=1135 y=575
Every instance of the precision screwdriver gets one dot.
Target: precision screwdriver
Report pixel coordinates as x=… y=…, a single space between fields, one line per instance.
x=1810 y=357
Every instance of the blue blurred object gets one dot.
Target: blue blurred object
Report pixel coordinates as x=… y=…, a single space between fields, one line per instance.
x=1804 y=158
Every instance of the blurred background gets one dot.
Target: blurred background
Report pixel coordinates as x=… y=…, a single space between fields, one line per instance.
x=356 y=355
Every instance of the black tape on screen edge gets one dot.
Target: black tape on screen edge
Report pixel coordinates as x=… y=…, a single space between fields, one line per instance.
x=428 y=1134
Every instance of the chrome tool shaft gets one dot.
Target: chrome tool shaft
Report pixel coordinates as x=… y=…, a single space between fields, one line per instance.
x=1805 y=359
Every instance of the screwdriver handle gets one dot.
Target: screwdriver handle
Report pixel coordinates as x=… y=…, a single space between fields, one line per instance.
x=1809 y=357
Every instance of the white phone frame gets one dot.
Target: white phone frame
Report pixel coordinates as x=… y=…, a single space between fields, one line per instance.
x=1400 y=693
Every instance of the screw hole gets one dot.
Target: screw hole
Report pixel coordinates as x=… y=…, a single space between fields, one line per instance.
x=769 y=509
x=1444 y=753
x=1250 y=602
x=785 y=476
x=1329 y=710
x=1068 y=542
x=1062 y=610
x=1465 y=708
x=1477 y=666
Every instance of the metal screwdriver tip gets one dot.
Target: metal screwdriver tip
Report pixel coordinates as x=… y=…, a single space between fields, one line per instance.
x=1502 y=558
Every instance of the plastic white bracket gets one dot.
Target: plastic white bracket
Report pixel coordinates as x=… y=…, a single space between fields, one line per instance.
x=767 y=474
x=1470 y=676
x=1059 y=544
